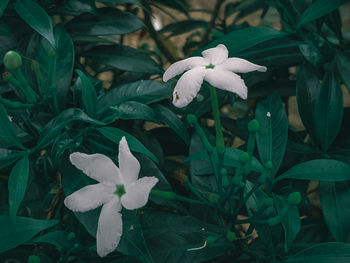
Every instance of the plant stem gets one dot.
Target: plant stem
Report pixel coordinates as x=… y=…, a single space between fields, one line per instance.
x=216 y=112
x=212 y=21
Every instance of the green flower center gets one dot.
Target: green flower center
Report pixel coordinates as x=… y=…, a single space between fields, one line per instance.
x=210 y=66
x=120 y=190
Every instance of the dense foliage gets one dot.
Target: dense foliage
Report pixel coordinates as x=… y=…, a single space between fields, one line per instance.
x=272 y=194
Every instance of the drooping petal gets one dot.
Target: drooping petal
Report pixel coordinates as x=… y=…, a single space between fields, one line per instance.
x=226 y=80
x=110 y=228
x=137 y=192
x=240 y=65
x=89 y=197
x=97 y=166
x=183 y=65
x=216 y=55
x=188 y=86
x=129 y=166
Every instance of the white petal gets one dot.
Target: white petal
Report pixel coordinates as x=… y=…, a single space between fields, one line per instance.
x=97 y=166
x=227 y=80
x=110 y=228
x=240 y=65
x=89 y=197
x=183 y=65
x=188 y=86
x=216 y=55
x=137 y=193
x=129 y=166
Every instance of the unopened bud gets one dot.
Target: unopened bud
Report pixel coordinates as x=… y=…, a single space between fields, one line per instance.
x=244 y=157
x=12 y=60
x=268 y=165
x=294 y=198
x=253 y=126
x=191 y=119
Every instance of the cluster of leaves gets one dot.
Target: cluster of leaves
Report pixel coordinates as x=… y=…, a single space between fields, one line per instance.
x=66 y=44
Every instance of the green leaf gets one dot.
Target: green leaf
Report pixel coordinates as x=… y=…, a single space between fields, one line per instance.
x=3 y=5
x=110 y=21
x=115 y=135
x=8 y=157
x=89 y=95
x=169 y=118
x=124 y=58
x=319 y=8
x=321 y=169
x=308 y=87
x=144 y=91
x=64 y=49
x=133 y=110
x=54 y=127
x=290 y=221
x=17 y=184
x=343 y=64
x=328 y=110
x=7 y=133
x=56 y=238
x=273 y=133
x=184 y=26
x=335 y=208
x=245 y=38
x=36 y=17
x=330 y=252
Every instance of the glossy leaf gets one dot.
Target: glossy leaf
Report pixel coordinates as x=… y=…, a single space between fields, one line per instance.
x=319 y=8
x=17 y=184
x=3 y=5
x=182 y=27
x=7 y=133
x=36 y=17
x=110 y=21
x=308 y=87
x=343 y=64
x=328 y=110
x=56 y=238
x=8 y=157
x=335 y=208
x=330 y=252
x=124 y=58
x=321 y=169
x=15 y=234
x=115 y=135
x=273 y=133
x=290 y=221
x=144 y=91
x=133 y=110
x=89 y=95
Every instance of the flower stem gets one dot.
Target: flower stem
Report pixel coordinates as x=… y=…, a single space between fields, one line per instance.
x=216 y=112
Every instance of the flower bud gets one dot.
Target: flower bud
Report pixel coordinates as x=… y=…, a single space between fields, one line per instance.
x=231 y=236
x=268 y=201
x=274 y=220
x=244 y=157
x=223 y=171
x=253 y=126
x=268 y=165
x=294 y=198
x=71 y=236
x=12 y=60
x=33 y=259
x=191 y=119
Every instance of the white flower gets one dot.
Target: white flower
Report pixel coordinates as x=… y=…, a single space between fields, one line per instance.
x=214 y=67
x=117 y=187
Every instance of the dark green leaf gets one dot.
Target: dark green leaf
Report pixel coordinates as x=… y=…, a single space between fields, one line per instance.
x=328 y=110
x=335 y=207
x=182 y=27
x=144 y=91
x=56 y=238
x=17 y=184
x=3 y=5
x=53 y=128
x=110 y=21
x=308 y=87
x=7 y=133
x=89 y=95
x=115 y=135
x=133 y=110
x=124 y=58
x=169 y=118
x=8 y=157
x=343 y=63
x=331 y=252
x=321 y=169
x=319 y=8
x=36 y=17
x=15 y=234
x=290 y=221
x=273 y=133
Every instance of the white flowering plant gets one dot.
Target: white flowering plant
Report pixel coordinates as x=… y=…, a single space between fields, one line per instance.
x=174 y=131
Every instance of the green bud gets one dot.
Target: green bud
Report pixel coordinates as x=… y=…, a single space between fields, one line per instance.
x=12 y=60
x=163 y=194
x=33 y=259
x=223 y=171
x=231 y=236
x=274 y=220
x=268 y=165
x=76 y=245
x=244 y=157
x=253 y=126
x=212 y=239
x=236 y=180
x=294 y=198
x=191 y=119
x=268 y=201
x=71 y=236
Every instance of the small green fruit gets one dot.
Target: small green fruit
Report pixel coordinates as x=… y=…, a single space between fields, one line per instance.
x=268 y=165
x=12 y=60
x=294 y=198
x=253 y=126
x=244 y=157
